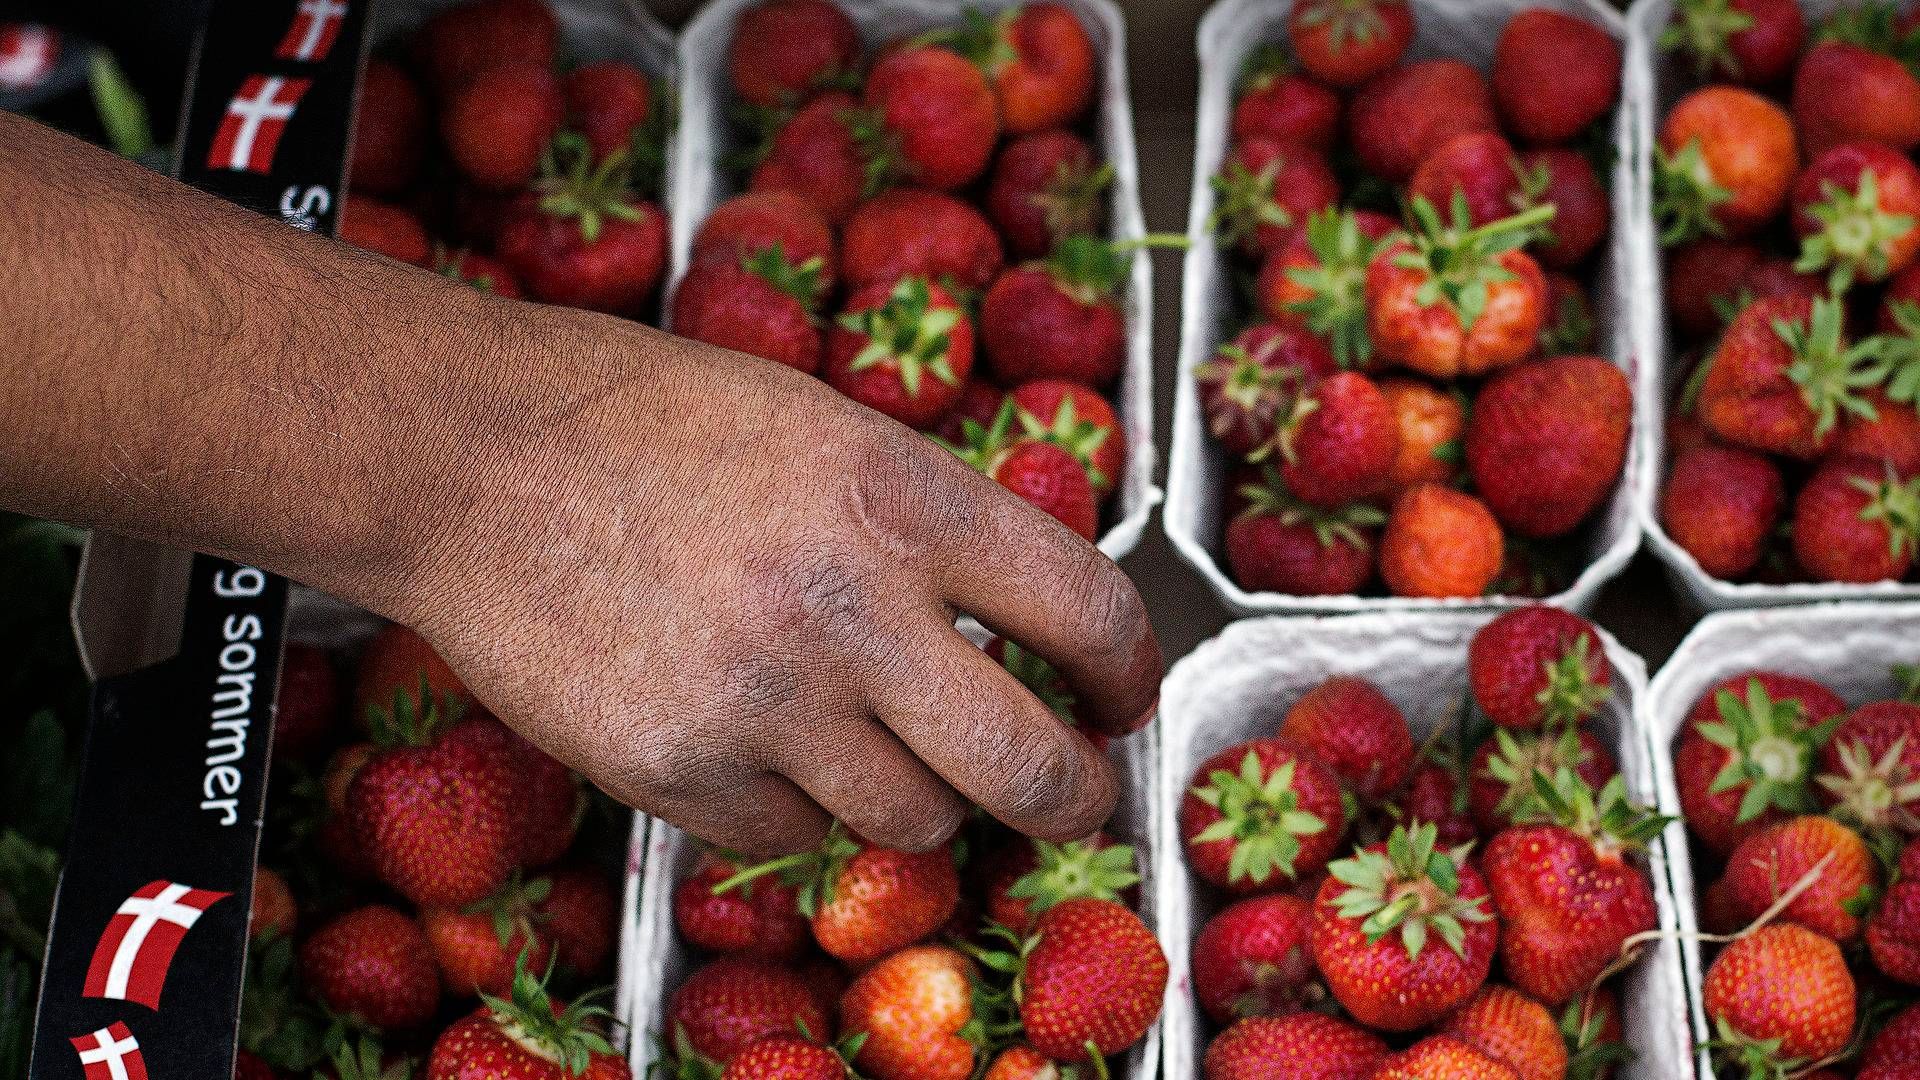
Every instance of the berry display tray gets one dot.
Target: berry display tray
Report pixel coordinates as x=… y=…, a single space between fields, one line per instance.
x=1239 y=685
x=1198 y=471
x=708 y=137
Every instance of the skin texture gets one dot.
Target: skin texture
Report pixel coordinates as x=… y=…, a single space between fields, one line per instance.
x=579 y=506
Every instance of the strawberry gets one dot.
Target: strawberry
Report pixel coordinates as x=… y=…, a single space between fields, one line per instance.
x=1038 y=58
x=1259 y=814
x=1440 y=542
x=759 y=221
x=1346 y=42
x=1547 y=441
x=1278 y=105
x=608 y=102
x=786 y=1057
x=1783 y=376
x=1060 y=319
x=914 y=1007
x=1891 y=1052
x=816 y=156
x=1436 y=794
x=527 y=1036
x=1721 y=505
x=1774 y=277
x=1255 y=958
x=1779 y=996
x=1538 y=666
x=1304 y=1046
x=1870 y=768
x=248 y=1067
x=1479 y=165
x=914 y=231
x=734 y=1002
x=309 y=708
x=1341 y=442
x=1569 y=899
x=1776 y=859
x=1512 y=1029
x=783 y=50
x=273 y=912
x=865 y=901
x=1563 y=179
x=1046 y=187
x=1705 y=277
x=1596 y=1041
x=1442 y=1055
x=760 y=918
x=477 y=946
x=1854 y=209
x=373 y=965
x=1431 y=426
x=1502 y=771
x=760 y=306
x=1266 y=191
x=1046 y=475
x=1029 y=877
x=1253 y=381
x=364 y=1059
x=1091 y=980
x=1745 y=759
x=1318 y=281
x=933 y=117
x=1354 y=730
x=1024 y=1063
x=1893 y=932
x=1372 y=924
x=578 y=915
x=1724 y=165
x=1453 y=299
x=462 y=40
x=904 y=349
x=980 y=404
x=1076 y=419
x=581 y=239
x=1277 y=543
x=548 y=799
x=482 y=272
x=1854 y=84
x=1754 y=42
x=1399 y=118
x=1891 y=437
x=371 y=225
x=1554 y=75
x=389 y=130
x=498 y=122
x=1857 y=520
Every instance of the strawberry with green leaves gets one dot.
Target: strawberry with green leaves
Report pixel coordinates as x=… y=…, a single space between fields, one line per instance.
x=1752 y=42
x=1746 y=757
x=1088 y=980
x=1784 y=375
x=1266 y=191
x=1047 y=475
x=1831 y=900
x=1044 y=188
x=1251 y=384
x=478 y=946
x=1538 y=666
x=1078 y=420
x=1343 y=43
x=1724 y=165
x=1278 y=543
x=1317 y=282
x=1857 y=520
x=1029 y=877
x=1870 y=769
x=762 y=305
x=733 y=1002
x=1340 y=443
x=1501 y=791
x=527 y=1036
x=904 y=349
x=1780 y=999
x=1856 y=210
x=582 y=238
x=1259 y=815
x=1061 y=318
x=1255 y=958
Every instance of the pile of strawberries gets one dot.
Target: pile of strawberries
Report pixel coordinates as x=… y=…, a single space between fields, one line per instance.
x=920 y=232
x=1790 y=207
x=473 y=158
x=1385 y=222
x=1370 y=885
x=993 y=956
x=1804 y=815
x=424 y=886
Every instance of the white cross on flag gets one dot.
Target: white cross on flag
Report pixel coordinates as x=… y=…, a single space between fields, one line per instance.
x=316 y=23
x=112 y=1053
x=27 y=53
x=134 y=953
x=256 y=118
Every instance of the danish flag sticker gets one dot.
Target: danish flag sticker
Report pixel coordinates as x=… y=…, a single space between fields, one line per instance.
x=112 y=1053
x=255 y=119
x=316 y=23
x=130 y=963
x=27 y=53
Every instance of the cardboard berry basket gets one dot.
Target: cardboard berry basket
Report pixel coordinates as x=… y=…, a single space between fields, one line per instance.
x=1240 y=684
x=1847 y=647
x=708 y=136
x=1664 y=79
x=1212 y=313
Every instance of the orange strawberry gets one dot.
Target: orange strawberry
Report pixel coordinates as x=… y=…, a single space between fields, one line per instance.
x=913 y=1007
x=1304 y=1046
x=1356 y=731
x=1442 y=1055
x=865 y=901
x=1440 y=542
x=1724 y=165
x=1450 y=298
x=478 y=946
x=1038 y=58
x=1775 y=860
x=1259 y=814
x=1513 y=1029
x=1784 y=375
x=398 y=661
x=1778 y=997
x=1432 y=425
x=1025 y=1063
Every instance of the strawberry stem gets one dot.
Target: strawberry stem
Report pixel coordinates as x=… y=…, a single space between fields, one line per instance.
x=1702 y=29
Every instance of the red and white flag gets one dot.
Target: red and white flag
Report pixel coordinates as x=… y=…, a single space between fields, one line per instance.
x=316 y=23
x=256 y=118
x=112 y=1053
x=134 y=953
x=27 y=53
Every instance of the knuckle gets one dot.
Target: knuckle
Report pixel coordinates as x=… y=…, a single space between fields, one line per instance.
x=810 y=588
x=913 y=826
x=1039 y=775
x=1115 y=615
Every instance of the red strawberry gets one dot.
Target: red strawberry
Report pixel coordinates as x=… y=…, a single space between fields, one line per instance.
x=1436 y=794
x=1855 y=210
x=756 y=222
x=548 y=800
x=1745 y=759
x=1705 y=278
x=1356 y=731
x=1286 y=108
x=1547 y=440
x=761 y=306
x=387 y=230
x=1091 y=980
x=477 y=947
x=1442 y=1055
x=1595 y=1038
x=1341 y=442
x=1046 y=475
x=389 y=130
x=913 y=231
x=1721 y=506
x=373 y=965
x=1450 y=300
x=1538 y=666
x=980 y=403
x=936 y=115
x=1850 y=87
x=487 y=274
x=1038 y=58
x=528 y=1036
x=1318 y=281
x=904 y=349
x=1893 y=932
x=1776 y=859
x=1255 y=959
x=1060 y=319
x=1890 y=1054
x=816 y=156
x=1028 y=877
x=1565 y=180
x=1432 y=425
x=1512 y=1029
x=578 y=915
x=1724 y=164
x=1399 y=118
x=1783 y=376
x=1567 y=895
x=1891 y=437
x=1252 y=382
x=461 y=41
x=608 y=102
x=782 y=50
x=736 y=1001
x=1779 y=995
x=1346 y=42
x=1440 y=542
x=866 y=901
x=1754 y=42
x=1554 y=74
x=913 y=1006
x=1078 y=420
x=1304 y=1046
x=1266 y=191
x=761 y=918
x=309 y=709
x=1870 y=768
x=582 y=240
x=1376 y=919
x=1503 y=769
x=1775 y=277
x=1046 y=187
x=498 y=122
x=786 y=1057
x=1858 y=521
x=1277 y=543
x=1260 y=814
x=246 y=1066
x=1480 y=166
x=273 y=912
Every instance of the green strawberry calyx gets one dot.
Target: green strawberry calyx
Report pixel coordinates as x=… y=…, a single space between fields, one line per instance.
x=1571 y=327
x=1244 y=201
x=365 y=1059
x=1346 y=21
x=1091 y=269
x=1590 y=1054
x=1901 y=353
x=1459 y=260
x=1755 y=1059
x=1260 y=816
x=1855 y=234
x=1907 y=677
x=1873 y=25
x=681 y=1060
x=1253 y=388
x=1342 y=525
x=573 y=185
x=982 y=446
x=1895 y=504
x=1081 y=438
x=805 y=281
x=1073 y=871
x=910 y=331
x=1336 y=311
x=882 y=157
x=1265 y=65
x=1703 y=29
x=1770 y=748
x=1412 y=887
x=1611 y=820
x=1518 y=758
x=1871 y=792
x=1686 y=195
x=567 y=1036
x=1831 y=375
x=512 y=908
x=1041 y=678
x=813 y=873
x=984 y=40
x=415 y=719
x=1573 y=691
x=1070 y=202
